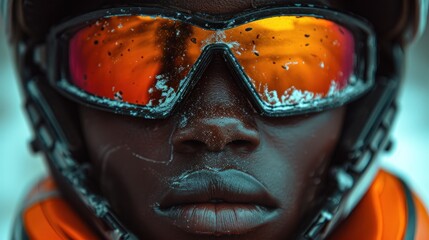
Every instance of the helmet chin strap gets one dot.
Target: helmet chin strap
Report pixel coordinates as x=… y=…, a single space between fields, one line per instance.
x=370 y=120
x=352 y=177
x=57 y=136
x=70 y=174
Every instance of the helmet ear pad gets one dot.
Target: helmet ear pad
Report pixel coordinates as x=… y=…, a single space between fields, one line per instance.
x=393 y=20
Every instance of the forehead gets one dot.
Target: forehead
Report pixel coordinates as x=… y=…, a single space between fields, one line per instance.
x=61 y=10
x=222 y=6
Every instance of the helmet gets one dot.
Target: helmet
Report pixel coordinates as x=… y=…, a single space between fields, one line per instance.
x=365 y=135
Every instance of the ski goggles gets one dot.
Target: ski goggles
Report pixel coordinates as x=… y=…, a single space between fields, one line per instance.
x=144 y=61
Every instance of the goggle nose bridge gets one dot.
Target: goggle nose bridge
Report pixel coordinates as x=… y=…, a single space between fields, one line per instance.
x=238 y=75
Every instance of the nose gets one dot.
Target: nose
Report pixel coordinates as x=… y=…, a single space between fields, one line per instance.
x=216 y=115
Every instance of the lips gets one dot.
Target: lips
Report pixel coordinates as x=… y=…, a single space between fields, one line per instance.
x=228 y=202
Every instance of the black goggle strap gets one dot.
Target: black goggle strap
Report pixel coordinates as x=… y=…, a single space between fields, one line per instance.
x=358 y=168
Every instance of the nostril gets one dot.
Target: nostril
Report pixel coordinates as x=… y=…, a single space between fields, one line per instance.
x=243 y=146
x=190 y=146
x=213 y=136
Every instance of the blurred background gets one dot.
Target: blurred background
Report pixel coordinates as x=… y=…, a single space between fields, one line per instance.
x=19 y=169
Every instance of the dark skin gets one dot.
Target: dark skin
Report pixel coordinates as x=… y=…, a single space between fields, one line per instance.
x=217 y=140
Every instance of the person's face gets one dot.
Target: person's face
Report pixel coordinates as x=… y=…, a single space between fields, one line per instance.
x=216 y=168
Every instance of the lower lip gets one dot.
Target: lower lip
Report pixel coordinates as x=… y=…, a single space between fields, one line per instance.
x=218 y=218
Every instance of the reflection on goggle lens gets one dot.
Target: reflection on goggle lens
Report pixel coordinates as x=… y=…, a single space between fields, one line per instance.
x=143 y=60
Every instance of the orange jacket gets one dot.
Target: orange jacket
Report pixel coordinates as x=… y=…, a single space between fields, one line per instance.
x=388 y=211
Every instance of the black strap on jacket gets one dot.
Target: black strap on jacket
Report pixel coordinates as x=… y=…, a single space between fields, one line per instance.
x=410 y=231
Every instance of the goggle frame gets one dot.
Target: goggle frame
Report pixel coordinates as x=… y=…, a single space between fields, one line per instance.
x=58 y=72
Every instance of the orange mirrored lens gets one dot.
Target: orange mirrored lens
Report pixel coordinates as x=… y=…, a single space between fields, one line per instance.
x=294 y=59
x=135 y=59
x=142 y=60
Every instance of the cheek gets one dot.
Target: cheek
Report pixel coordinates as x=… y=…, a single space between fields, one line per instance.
x=107 y=134
x=129 y=157
x=303 y=150
x=131 y=182
x=133 y=161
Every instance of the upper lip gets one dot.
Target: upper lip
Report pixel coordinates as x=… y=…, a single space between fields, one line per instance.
x=208 y=186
